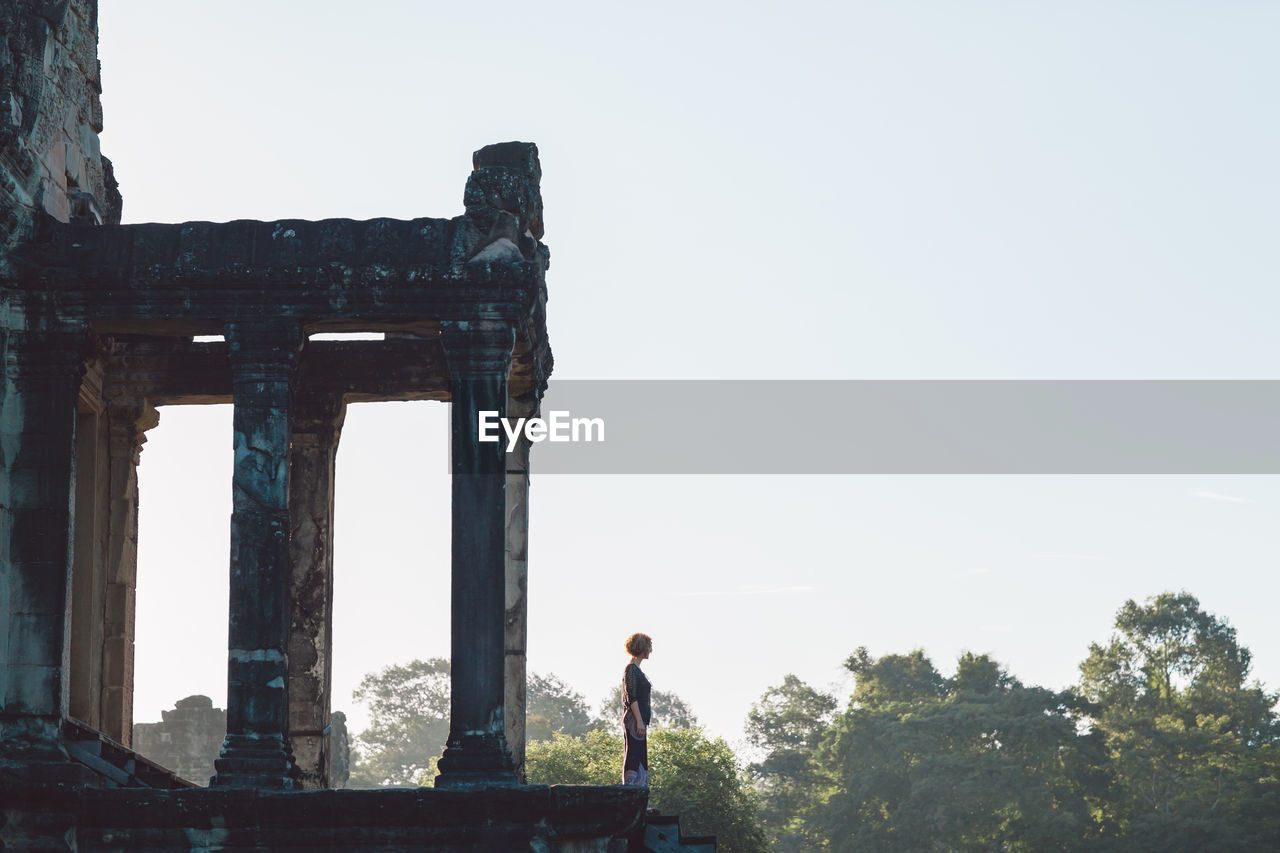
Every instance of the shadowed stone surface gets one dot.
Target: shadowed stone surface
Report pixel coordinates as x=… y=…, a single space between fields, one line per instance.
x=479 y=356
x=313 y=448
x=422 y=819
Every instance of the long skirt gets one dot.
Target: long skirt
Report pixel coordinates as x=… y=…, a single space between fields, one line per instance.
x=635 y=759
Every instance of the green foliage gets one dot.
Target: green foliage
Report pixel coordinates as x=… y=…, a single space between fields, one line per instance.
x=690 y=775
x=410 y=709
x=700 y=780
x=786 y=725
x=1165 y=746
x=1169 y=657
x=1191 y=744
x=409 y=705
x=594 y=758
x=976 y=762
x=894 y=678
x=552 y=707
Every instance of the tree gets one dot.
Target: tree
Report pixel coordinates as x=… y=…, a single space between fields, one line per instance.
x=1170 y=657
x=700 y=780
x=690 y=775
x=786 y=725
x=1192 y=744
x=552 y=707
x=593 y=758
x=410 y=709
x=409 y=705
x=975 y=762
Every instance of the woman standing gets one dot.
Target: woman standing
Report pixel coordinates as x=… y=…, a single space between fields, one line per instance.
x=636 y=713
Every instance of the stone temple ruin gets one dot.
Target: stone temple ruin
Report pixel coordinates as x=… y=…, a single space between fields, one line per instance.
x=97 y=321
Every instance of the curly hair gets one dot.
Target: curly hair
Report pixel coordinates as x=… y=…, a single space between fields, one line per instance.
x=639 y=644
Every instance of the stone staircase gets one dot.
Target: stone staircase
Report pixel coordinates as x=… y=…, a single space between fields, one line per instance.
x=116 y=765
x=662 y=835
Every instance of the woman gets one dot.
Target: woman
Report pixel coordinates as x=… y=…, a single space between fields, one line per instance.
x=636 y=713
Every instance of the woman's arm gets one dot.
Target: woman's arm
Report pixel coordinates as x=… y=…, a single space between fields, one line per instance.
x=635 y=709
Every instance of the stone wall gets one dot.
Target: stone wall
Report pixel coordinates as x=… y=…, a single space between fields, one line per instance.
x=188 y=739
x=50 y=118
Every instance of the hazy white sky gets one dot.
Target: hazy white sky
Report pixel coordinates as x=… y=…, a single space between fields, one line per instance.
x=764 y=190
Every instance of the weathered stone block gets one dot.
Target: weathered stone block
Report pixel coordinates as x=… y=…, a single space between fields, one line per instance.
x=118 y=609
x=505 y=189
x=37 y=589
x=73 y=164
x=34 y=450
x=32 y=487
x=35 y=638
x=116 y=652
x=520 y=156
x=39 y=533
x=32 y=689
x=55 y=164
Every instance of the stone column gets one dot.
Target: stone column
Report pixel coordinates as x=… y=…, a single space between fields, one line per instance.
x=517 y=565
x=128 y=420
x=88 y=572
x=37 y=493
x=479 y=356
x=315 y=427
x=255 y=754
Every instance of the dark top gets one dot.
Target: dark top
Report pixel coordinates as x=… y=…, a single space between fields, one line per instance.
x=635 y=688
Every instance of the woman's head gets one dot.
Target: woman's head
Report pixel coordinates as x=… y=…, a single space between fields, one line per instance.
x=639 y=645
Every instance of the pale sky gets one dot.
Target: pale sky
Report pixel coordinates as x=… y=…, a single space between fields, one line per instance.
x=892 y=190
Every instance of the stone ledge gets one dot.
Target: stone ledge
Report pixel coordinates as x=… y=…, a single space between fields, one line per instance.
x=511 y=817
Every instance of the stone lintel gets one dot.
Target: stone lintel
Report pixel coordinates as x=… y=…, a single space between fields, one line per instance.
x=336 y=270
x=175 y=371
x=179 y=371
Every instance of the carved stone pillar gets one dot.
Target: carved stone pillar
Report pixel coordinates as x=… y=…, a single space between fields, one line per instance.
x=128 y=420
x=315 y=427
x=88 y=571
x=255 y=753
x=479 y=355
x=37 y=493
x=517 y=565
